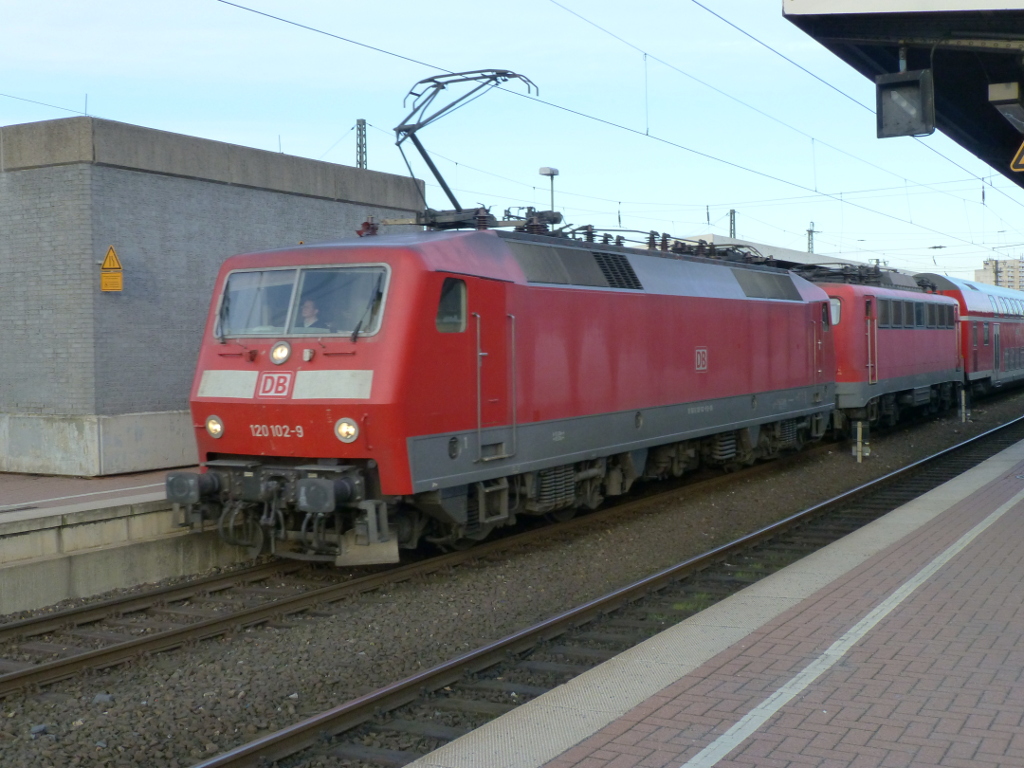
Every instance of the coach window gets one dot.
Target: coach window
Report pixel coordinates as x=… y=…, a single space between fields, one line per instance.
x=932 y=312
x=919 y=314
x=451 y=309
x=908 y=314
x=984 y=333
x=883 y=313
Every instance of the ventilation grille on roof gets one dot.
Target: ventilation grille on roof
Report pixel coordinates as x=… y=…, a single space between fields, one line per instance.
x=767 y=285
x=618 y=271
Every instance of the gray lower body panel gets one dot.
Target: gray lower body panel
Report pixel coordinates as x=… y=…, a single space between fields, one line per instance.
x=565 y=441
x=858 y=394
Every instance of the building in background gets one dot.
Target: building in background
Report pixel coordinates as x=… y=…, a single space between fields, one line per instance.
x=96 y=382
x=1008 y=273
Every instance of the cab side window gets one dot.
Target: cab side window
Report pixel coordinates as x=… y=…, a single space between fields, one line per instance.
x=451 y=309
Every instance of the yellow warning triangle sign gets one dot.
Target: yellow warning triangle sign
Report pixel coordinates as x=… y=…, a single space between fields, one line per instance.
x=112 y=262
x=1017 y=164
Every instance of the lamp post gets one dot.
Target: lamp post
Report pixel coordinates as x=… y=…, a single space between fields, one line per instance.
x=550 y=173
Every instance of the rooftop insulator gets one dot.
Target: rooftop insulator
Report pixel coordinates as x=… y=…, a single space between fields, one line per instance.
x=368 y=228
x=536 y=227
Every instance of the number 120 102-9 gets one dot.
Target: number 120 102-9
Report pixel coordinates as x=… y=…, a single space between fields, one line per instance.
x=274 y=430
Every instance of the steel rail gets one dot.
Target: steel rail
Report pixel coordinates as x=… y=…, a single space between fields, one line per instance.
x=289 y=740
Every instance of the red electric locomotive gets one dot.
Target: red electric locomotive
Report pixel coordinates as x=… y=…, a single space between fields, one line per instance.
x=354 y=398
x=895 y=349
x=991 y=330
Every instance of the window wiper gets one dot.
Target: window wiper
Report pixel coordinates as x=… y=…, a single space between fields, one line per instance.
x=218 y=330
x=378 y=292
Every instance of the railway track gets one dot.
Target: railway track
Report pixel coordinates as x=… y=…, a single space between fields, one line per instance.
x=407 y=719
x=45 y=649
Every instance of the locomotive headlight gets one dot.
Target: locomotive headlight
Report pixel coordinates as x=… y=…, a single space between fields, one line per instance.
x=346 y=430
x=214 y=426
x=280 y=352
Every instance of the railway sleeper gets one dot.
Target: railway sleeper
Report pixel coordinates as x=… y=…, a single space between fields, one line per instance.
x=504 y=686
x=393 y=758
x=552 y=667
x=419 y=728
x=489 y=709
x=607 y=637
x=580 y=652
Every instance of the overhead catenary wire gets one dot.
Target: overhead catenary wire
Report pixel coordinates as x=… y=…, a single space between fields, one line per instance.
x=42 y=104
x=346 y=133
x=898 y=191
x=601 y=120
x=760 y=42
x=859 y=103
x=743 y=103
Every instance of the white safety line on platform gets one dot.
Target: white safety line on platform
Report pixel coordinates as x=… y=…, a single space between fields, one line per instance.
x=758 y=716
x=21 y=505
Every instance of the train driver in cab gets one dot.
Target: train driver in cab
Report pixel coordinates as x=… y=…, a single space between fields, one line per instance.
x=309 y=316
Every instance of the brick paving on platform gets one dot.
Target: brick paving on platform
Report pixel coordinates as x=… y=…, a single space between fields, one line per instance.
x=937 y=682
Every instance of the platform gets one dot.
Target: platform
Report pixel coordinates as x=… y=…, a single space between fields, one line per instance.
x=900 y=645
x=65 y=537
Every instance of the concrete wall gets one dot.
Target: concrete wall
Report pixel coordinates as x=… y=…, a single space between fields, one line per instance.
x=79 y=553
x=173 y=207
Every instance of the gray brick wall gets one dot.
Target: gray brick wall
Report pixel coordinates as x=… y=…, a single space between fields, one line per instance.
x=46 y=297
x=171 y=235
x=68 y=348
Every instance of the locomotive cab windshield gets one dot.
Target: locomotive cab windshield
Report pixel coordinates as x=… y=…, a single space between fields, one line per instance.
x=318 y=301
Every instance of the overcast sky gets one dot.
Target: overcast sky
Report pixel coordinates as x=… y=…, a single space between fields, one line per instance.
x=698 y=118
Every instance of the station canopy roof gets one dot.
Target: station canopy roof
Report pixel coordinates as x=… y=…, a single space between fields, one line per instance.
x=968 y=44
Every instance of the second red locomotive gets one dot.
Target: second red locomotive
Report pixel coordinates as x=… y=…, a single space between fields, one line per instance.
x=896 y=350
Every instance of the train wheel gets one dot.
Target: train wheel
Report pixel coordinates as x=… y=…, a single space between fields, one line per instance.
x=562 y=515
x=456 y=541
x=893 y=417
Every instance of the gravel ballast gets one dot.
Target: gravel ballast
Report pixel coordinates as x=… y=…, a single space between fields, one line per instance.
x=177 y=708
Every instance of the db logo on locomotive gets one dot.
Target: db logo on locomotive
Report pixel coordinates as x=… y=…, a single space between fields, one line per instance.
x=702 y=358
x=274 y=384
